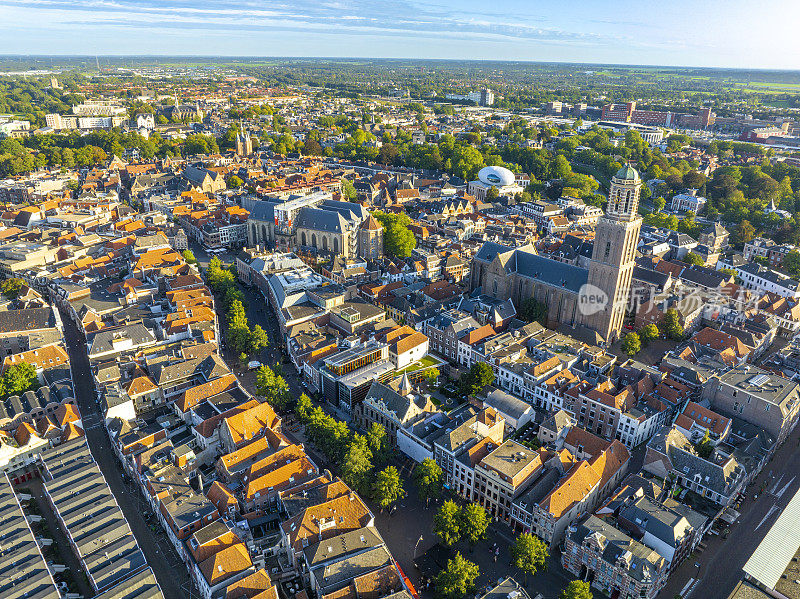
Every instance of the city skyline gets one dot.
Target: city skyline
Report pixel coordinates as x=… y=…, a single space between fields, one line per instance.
x=714 y=34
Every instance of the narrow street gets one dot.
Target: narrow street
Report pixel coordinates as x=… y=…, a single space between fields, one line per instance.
x=169 y=570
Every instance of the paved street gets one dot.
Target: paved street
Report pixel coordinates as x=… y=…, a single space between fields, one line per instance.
x=167 y=566
x=722 y=561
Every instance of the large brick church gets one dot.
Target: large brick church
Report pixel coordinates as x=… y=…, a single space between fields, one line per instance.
x=594 y=298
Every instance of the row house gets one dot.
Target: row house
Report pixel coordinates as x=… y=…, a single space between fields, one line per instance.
x=445 y=330
x=547 y=512
x=465 y=429
x=612 y=561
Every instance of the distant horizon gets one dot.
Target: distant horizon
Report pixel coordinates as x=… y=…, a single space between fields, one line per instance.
x=392 y=58
x=709 y=34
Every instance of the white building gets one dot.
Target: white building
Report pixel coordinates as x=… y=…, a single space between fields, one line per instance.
x=683 y=202
x=760 y=278
x=494 y=176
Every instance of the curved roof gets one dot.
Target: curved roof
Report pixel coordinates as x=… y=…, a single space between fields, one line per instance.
x=627 y=173
x=496 y=175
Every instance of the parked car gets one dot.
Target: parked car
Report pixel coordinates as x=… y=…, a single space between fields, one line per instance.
x=253 y=364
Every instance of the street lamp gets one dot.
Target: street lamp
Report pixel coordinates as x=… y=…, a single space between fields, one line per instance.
x=419 y=540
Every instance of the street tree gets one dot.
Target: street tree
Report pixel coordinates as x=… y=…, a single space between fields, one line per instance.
x=429 y=478
x=357 y=464
x=791 y=262
x=447 y=523
x=388 y=487
x=378 y=442
x=577 y=589
x=272 y=387
x=532 y=310
x=457 y=579
x=529 y=554
x=631 y=344
x=188 y=256
x=303 y=408
x=649 y=333
x=474 y=522
x=257 y=340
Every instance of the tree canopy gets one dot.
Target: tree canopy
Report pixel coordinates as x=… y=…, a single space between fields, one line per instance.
x=447 y=523
x=456 y=579
x=429 y=478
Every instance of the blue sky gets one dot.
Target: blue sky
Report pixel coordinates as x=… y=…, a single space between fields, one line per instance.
x=724 y=33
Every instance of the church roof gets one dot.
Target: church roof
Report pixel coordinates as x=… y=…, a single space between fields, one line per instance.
x=371 y=224
x=321 y=220
x=548 y=271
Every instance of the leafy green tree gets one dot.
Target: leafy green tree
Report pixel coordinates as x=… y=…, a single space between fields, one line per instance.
x=704 y=447
x=694 y=179
x=457 y=579
x=357 y=464
x=431 y=375
x=447 y=523
x=348 y=190
x=388 y=487
x=479 y=375
x=577 y=589
x=11 y=287
x=429 y=478
x=257 y=340
x=672 y=325
x=234 y=182
x=693 y=259
x=188 y=256
x=659 y=203
x=529 y=554
x=492 y=194
x=18 y=378
x=303 y=408
x=743 y=232
x=631 y=344
x=649 y=333
x=378 y=442
x=474 y=522
x=272 y=387
x=791 y=262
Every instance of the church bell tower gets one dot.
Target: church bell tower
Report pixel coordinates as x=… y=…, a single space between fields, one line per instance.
x=614 y=254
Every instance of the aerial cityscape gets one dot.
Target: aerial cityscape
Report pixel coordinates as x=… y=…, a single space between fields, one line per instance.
x=383 y=301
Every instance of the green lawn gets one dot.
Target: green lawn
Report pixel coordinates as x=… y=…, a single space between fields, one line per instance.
x=425 y=362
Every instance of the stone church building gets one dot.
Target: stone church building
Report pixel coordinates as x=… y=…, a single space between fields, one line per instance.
x=596 y=297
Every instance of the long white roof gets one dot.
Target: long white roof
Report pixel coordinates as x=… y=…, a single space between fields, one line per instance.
x=776 y=551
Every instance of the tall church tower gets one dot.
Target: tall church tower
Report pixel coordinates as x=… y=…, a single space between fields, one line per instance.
x=614 y=254
x=370 y=239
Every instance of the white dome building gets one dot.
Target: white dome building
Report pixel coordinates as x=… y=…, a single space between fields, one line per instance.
x=494 y=176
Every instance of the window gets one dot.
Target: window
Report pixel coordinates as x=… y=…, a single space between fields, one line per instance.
x=607 y=251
